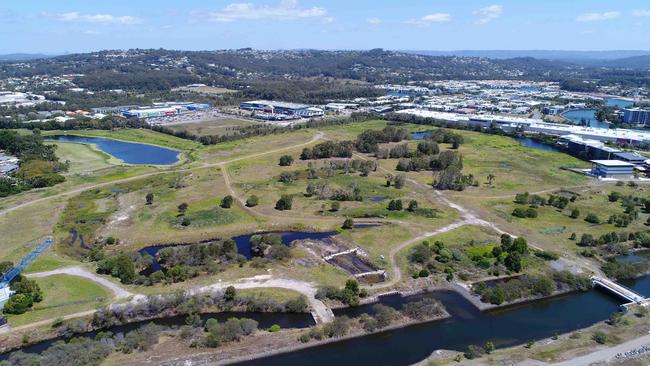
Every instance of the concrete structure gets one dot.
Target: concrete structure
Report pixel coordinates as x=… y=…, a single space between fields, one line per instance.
x=612 y=169
x=636 y=116
x=514 y=124
x=8 y=164
x=586 y=148
x=620 y=291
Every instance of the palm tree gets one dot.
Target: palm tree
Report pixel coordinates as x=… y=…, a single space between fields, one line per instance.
x=490 y=178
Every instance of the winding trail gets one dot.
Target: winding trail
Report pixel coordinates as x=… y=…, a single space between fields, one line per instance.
x=321 y=313
x=118 y=291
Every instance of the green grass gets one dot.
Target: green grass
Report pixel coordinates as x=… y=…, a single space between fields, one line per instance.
x=218 y=126
x=63 y=294
x=142 y=136
x=83 y=158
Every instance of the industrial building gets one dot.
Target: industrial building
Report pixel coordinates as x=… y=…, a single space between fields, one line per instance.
x=636 y=116
x=612 y=169
x=275 y=107
x=8 y=164
x=164 y=109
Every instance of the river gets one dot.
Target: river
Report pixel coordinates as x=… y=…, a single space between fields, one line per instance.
x=505 y=327
x=129 y=152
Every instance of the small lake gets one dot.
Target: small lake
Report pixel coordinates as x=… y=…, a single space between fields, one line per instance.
x=129 y=152
x=528 y=142
x=619 y=103
x=582 y=116
x=505 y=327
x=243 y=243
x=420 y=135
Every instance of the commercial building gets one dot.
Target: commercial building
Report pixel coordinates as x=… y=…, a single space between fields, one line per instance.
x=271 y=106
x=612 y=169
x=161 y=109
x=631 y=158
x=8 y=164
x=636 y=116
x=588 y=149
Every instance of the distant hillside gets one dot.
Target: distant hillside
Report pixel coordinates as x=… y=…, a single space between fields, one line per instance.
x=636 y=62
x=573 y=56
x=23 y=56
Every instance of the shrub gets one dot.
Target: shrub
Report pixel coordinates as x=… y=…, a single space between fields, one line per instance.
x=599 y=337
x=592 y=218
x=227 y=201
x=284 y=203
x=274 y=328
x=348 y=224
x=575 y=213
x=395 y=205
x=252 y=201
x=286 y=160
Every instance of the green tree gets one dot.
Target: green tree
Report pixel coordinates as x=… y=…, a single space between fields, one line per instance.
x=413 y=206
x=252 y=201
x=286 y=160
x=335 y=206
x=284 y=203
x=513 y=262
x=182 y=208
x=489 y=347
x=575 y=213
x=230 y=293
x=348 y=224
x=227 y=201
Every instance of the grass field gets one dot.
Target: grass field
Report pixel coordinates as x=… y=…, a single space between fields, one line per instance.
x=83 y=158
x=63 y=294
x=217 y=126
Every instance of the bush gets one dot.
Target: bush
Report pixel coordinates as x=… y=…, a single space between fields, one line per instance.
x=599 y=337
x=227 y=201
x=252 y=201
x=18 y=304
x=274 y=328
x=395 y=205
x=297 y=305
x=592 y=218
x=348 y=224
x=575 y=213
x=284 y=203
x=286 y=160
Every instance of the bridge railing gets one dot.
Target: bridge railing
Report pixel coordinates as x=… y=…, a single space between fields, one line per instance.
x=6 y=279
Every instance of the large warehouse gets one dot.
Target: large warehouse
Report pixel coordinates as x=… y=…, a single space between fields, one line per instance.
x=274 y=107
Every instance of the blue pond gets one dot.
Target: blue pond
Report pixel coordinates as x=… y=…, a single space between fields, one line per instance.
x=620 y=103
x=580 y=116
x=528 y=142
x=420 y=135
x=128 y=152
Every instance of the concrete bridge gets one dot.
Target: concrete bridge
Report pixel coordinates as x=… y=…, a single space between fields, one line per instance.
x=620 y=291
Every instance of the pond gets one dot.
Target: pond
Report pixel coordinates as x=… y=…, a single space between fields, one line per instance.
x=505 y=327
x=619 y=103
x=242 y=242
x=582 y=116
x=528 y=142
x=129 y=152
x=421 y=135
x=265 y=321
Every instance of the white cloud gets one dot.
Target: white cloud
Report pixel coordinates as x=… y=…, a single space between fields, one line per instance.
x=596 y=17
x=641 y=13
x=92 y=32
x=285 y=10
x=95 y=18
x=329 y=20
x=374 y=21
x=430 y=18
x=488 y=13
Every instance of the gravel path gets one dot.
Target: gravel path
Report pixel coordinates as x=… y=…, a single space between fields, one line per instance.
x=118 y=292
x=607 y=354
x=322 y=314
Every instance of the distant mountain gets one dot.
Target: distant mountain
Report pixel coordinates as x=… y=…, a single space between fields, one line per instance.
x=23 y=56
x=636 y=62
x=571 y=56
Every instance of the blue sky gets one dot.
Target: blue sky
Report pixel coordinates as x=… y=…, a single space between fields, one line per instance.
x=57 y=26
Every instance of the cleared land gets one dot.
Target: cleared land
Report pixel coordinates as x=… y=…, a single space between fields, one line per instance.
x=218 y=126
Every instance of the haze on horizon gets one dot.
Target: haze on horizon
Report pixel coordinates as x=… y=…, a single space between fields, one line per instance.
x=36 y=26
